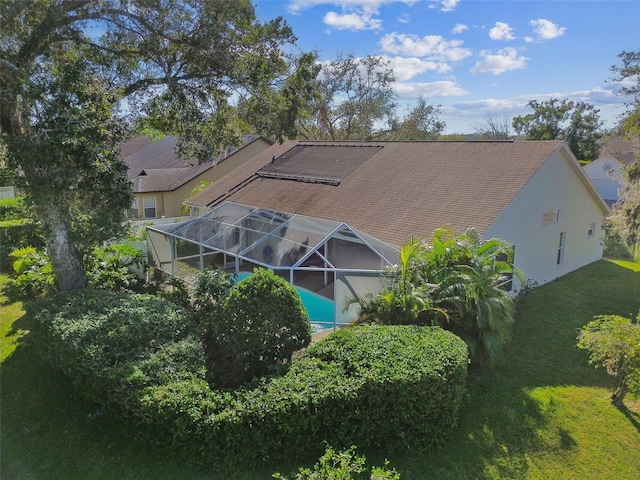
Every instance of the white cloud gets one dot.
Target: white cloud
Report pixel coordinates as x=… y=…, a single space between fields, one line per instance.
x=444 y=88
x=459 y=28
x=405 y=68
x=432 y=46
x=449 y=5
x=501 y=31
x=404 y=18
x=545 y=30
x=500 y=62
x=353 y=21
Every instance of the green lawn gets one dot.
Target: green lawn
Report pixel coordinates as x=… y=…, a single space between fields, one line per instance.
x=543 y=414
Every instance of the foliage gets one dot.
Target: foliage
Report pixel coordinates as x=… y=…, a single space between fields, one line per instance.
x=627 y=76
x=613 y=342
x=63 y=87
x=341 y=465
x=391 y=388
x=460 y=282
x=110 y=267
x=421 y=123
x=353 y=96
x=379 y=387
x=276 y=113
x=261 y=323
x=114 y=267
x=528 y=419
x=625 y=216
x=614 y=246
x=18 y=228
x=33 y=275
x=494 y=128
x=549 y=122
x=111 y=345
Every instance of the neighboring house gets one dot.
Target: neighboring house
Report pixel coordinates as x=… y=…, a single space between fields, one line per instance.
x=161 y=181
x=534 y=194
x=606 y=171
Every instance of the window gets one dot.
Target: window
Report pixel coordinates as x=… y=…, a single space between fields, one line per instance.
x=591 y=230
x=133 y=211
x=195 y=211
x=550 y=217
x=561 y=248
x=149 y=204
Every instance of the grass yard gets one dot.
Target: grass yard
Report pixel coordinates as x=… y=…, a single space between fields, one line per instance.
x=543 y=414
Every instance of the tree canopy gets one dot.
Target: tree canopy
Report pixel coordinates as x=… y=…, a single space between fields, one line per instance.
x=354 y=96
x=74 y=75
x=613 y=342
x=627 y=76
x=577 y=123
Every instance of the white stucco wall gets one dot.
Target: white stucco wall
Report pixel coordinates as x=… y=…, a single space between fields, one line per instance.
x=606 y=180
x=556 y=186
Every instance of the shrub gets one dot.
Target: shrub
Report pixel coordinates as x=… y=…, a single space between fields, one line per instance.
x=114 y=344
x=391 y=388
x=112 y=267
x=342 y=465
x=261 y=323
x=33 y=275
x=18 y=228
x=378 y=387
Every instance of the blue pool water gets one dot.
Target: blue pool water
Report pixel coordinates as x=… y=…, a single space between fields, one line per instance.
x=319 y=308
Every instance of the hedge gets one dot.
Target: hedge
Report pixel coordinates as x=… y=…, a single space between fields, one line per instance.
x=113 y=344
x=382 y=388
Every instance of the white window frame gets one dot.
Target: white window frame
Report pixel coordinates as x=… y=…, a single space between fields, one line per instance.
x=148 y=204
x=592 y=230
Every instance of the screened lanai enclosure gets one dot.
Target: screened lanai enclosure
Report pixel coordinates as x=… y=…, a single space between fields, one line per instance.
x=327 y=261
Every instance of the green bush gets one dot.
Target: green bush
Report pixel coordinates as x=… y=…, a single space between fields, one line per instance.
x=112 y=344
x=383 y=388
x=112 y=267
x=261 y=323
x=33 y=275
x=18 y=229
x=342 y=465
x=391 y=388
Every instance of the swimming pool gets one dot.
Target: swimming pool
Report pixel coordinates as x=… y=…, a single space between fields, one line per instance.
x=320 y=309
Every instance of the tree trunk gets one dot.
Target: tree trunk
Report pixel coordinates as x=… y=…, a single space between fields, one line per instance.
x=617 y=397
x=65 y=259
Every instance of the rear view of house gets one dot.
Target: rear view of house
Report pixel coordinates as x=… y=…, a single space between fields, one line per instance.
x=533 y=194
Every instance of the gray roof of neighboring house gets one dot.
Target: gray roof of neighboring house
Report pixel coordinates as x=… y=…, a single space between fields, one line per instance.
x=400 y=189
x=156 y=167
x=624 y=158
x=619 y=145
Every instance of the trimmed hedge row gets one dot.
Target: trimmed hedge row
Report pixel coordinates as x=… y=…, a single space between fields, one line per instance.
x=17 y=229
x=391 y=388
x=112 y=344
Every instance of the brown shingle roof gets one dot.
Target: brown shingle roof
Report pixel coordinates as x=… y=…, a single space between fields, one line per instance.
x=405 y=189
x=619 y=145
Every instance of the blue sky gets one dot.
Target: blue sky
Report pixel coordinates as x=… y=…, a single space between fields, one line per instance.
x=477 y=58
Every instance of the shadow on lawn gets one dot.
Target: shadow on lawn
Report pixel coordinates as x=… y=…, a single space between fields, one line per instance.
x=501 y=422
x=633 y=417
x=48 y=431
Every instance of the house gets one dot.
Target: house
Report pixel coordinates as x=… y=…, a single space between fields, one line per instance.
x=606 y=172
x=346 y=205
x=161 y=181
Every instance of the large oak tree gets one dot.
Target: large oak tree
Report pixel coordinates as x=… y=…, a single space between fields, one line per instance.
x=74 y=73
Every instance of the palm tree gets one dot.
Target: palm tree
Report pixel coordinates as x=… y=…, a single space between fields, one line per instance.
x=455 y=281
